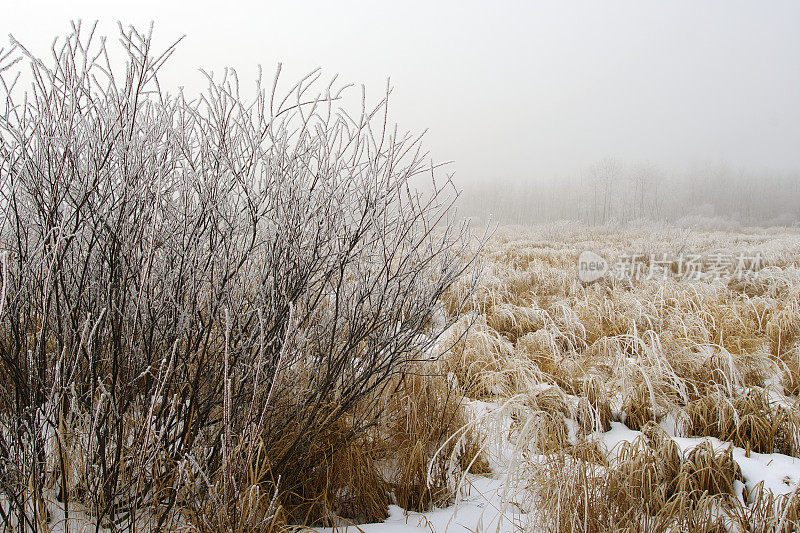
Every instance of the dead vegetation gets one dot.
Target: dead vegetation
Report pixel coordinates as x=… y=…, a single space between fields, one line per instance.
x=292 y=337
x=206 y=302
x=668 y=357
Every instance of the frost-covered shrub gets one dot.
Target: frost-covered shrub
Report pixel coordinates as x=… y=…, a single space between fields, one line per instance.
x=192 y=287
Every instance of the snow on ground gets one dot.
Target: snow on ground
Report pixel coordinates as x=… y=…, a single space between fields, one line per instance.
x=480 y=508
x=74 y=520
x=484 y=503
x=780 y=473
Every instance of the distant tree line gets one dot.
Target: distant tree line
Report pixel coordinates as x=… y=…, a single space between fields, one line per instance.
x=609 y=192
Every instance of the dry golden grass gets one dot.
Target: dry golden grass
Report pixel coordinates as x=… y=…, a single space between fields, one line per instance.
x=747 y=421
x=772 y=514
x=711 y=358
x=783 y=328
x=709 y=472
x=648 y=486
x=478 y=360
x=424 y=435
x=791 y=375
x=715 y=359
x=649 y=473
x=418 y=447
x=256 y=507
x=594 y=408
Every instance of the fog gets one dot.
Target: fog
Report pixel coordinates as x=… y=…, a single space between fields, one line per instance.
x=530 y=101
x=611 y=192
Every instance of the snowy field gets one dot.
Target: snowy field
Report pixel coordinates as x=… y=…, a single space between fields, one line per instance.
x=561 y=378
x=647 y=399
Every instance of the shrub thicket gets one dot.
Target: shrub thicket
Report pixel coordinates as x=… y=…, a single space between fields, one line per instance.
x=196 y=291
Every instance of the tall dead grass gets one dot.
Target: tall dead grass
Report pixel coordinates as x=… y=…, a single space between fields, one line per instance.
x=665 y=356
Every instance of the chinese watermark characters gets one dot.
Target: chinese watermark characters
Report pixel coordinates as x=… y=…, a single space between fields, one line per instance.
x=684 y=266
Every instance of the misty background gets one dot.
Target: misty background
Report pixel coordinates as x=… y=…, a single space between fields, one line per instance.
x=594 y=111
x=611 y=192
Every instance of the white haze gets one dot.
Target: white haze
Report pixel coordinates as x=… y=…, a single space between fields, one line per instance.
x=519 y=95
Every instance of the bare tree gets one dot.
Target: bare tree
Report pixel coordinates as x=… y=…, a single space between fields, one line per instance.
x=190 y=283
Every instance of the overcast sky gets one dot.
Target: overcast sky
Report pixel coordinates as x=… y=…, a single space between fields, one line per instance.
x=513 y=90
